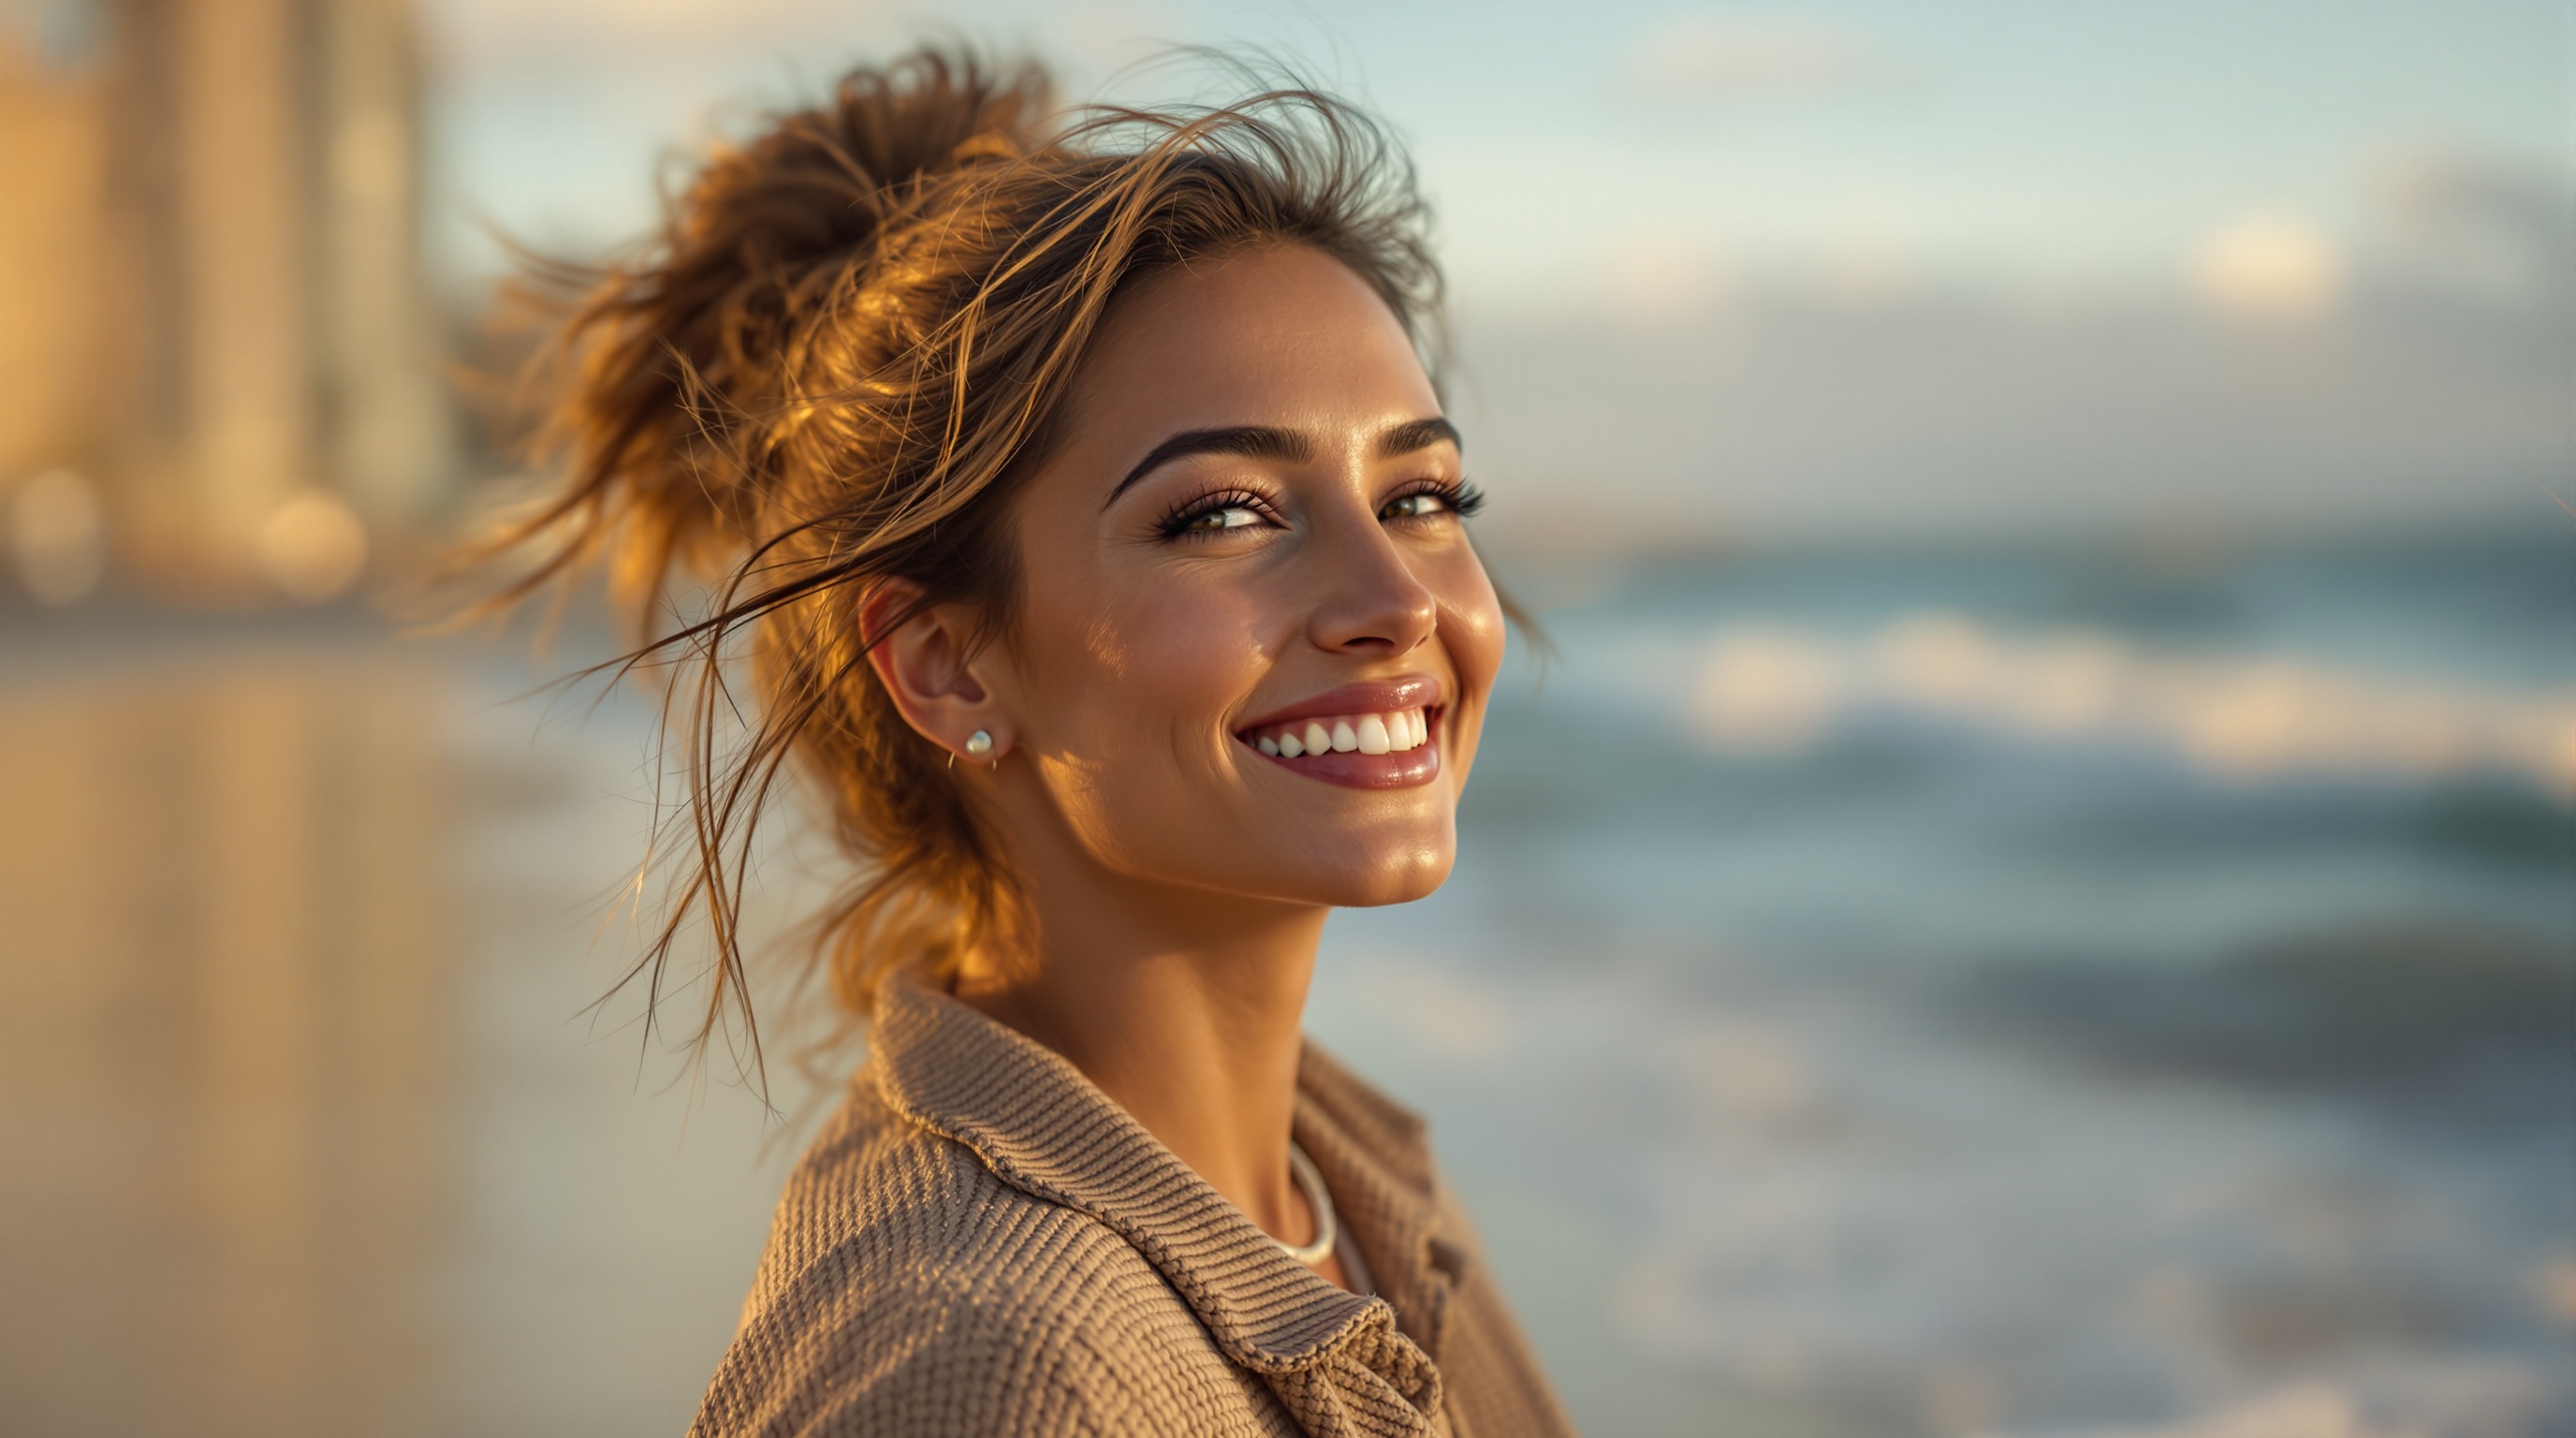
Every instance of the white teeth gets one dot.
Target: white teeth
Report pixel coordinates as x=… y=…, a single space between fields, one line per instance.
x=1390 y=733
x=1372 y=735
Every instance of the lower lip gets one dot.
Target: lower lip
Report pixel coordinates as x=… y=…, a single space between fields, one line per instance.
x=1354 y=770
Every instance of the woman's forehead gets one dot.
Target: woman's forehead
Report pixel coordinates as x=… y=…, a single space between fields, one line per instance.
x=1285 y=336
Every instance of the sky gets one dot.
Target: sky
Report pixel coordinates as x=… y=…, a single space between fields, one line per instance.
x=2057 y=142
x=2154 y=215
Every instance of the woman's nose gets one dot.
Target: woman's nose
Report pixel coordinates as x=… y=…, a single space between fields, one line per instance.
x=1370 y=599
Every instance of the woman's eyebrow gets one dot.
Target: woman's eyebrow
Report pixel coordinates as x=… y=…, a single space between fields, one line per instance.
x=1252 y=441
x=1418 y=434
x=1255 y=441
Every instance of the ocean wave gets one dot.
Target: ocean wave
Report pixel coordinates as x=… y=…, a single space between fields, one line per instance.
x=1765 y=689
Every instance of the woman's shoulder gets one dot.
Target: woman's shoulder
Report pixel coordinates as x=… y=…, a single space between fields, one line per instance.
x=874 y=1183
x=906 y=1288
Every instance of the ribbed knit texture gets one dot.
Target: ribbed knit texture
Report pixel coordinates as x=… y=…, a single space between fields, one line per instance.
x=982 y=1243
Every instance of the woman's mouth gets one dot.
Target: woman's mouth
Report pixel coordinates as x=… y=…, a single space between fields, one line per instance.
x=1371 y=734
x=1388 y=745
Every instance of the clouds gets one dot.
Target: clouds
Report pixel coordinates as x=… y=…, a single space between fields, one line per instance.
x=2268 y=265
x=2476 y=223
x=1709 y=56
x=1951 y=415
x=2448 y=186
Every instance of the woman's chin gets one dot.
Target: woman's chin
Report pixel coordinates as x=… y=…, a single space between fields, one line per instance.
x=1415 y=887
x=1394 y=879
x=1359 y=876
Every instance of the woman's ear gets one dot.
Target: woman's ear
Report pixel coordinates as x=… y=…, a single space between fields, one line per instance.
x=922 y=655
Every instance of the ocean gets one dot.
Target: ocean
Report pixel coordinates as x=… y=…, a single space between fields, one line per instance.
x=2063 y=993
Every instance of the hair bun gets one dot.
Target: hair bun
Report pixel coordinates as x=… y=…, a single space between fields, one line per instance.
x=669 y=351
x=862 y=154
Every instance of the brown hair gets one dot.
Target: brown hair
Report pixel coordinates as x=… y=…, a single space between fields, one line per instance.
x=833 y=368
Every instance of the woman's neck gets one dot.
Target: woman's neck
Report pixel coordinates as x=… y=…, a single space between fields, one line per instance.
x=1185 y=1009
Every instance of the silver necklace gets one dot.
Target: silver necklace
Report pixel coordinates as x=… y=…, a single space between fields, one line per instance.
x=1327 y=1228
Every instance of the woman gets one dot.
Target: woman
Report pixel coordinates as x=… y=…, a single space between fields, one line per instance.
x=1082 y=507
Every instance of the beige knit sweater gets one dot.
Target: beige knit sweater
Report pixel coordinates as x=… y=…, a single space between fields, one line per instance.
x=982 y=1243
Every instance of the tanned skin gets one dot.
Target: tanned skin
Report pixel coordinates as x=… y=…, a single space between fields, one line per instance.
x=1180 y=878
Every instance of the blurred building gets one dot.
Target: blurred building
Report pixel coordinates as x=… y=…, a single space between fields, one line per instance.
x=212 y=311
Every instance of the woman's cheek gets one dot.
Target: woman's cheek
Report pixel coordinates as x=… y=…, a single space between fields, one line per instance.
x=1190 y=655
x=1472 y=632
x=1479 y=652
x=1473 y=629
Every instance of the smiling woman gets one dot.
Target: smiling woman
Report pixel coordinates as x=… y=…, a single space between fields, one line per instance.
x=1102 y=455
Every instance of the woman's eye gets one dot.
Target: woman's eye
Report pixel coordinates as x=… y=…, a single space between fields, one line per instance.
x=1457 y=499
x=1232 y=516
x=1217 y=513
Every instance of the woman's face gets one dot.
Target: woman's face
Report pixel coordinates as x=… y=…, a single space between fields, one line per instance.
x=1254 y=643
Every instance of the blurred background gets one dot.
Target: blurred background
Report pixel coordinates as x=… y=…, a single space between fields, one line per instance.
x=2033 y=898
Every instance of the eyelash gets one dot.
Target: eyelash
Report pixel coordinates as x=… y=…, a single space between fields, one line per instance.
x=1456 y=497
x=1179 y=523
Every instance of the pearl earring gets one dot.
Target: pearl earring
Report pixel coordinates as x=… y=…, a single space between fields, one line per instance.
x=979 y=743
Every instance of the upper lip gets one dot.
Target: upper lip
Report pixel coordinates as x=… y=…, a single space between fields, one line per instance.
x=1372 y=696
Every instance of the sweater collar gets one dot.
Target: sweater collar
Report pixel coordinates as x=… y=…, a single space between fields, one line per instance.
x=1340 y=1361
x=1376 y=1158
